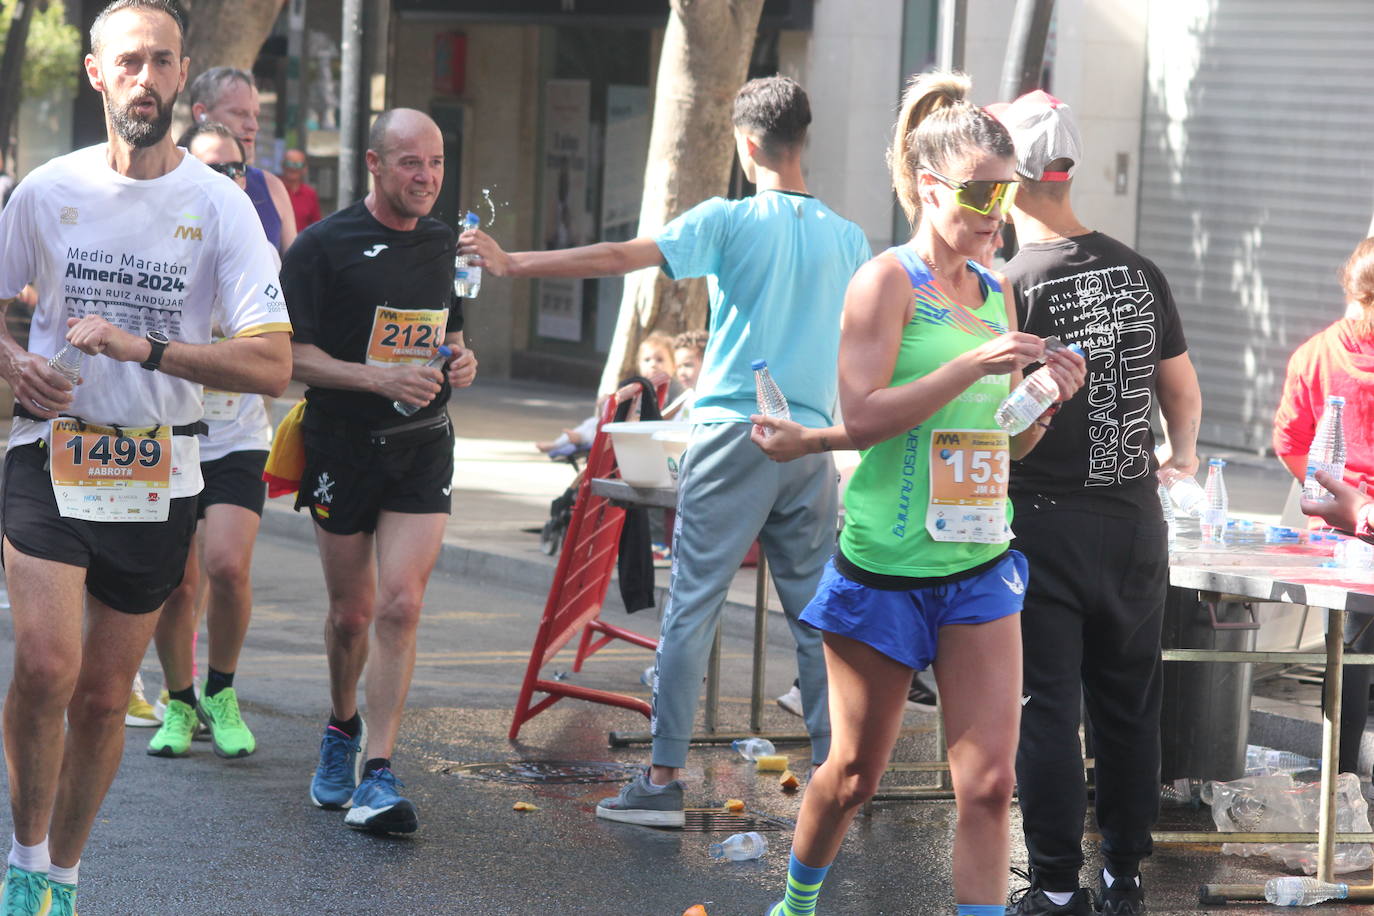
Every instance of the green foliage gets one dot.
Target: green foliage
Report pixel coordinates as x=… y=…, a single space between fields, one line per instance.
x=52 y=55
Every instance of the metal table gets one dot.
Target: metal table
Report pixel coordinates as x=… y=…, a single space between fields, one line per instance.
x=1291 y=573
x=627 y=495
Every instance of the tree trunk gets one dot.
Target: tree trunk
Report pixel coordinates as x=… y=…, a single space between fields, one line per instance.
x=706 y=51
x=223 y=33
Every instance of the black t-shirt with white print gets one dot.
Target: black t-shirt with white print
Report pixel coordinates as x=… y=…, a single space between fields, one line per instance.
x=365 y=293
x=1114 y=303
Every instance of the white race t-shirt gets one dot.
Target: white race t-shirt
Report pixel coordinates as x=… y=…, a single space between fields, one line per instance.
x=250 y=429
x=146 y=255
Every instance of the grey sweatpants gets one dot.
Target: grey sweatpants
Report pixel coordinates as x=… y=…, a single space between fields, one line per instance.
x=730 y=493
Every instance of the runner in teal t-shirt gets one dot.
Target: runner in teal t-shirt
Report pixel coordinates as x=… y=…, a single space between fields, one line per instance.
x=777 y=265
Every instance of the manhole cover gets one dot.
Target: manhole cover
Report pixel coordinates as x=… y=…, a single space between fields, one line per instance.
x=718 y=820
x=547 y=772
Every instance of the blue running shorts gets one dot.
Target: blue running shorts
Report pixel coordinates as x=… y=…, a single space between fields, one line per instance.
x=904 y=624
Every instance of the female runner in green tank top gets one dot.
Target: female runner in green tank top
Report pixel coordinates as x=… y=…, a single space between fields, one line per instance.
x=923 y=573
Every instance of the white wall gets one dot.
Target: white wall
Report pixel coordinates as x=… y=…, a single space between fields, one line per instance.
x=850 y=64
x=1099 y=70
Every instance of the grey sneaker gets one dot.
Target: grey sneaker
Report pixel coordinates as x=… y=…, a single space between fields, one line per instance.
x=637 y=803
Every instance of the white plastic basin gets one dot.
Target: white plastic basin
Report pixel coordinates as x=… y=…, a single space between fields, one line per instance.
x=648 y=451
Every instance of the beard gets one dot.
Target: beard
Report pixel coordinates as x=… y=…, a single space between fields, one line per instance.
x=133 y=129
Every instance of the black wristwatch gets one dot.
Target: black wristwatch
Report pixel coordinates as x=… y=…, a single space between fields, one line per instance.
x=158 y=342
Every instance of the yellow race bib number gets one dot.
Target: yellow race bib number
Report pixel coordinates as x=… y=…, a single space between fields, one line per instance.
x=969 y=469
x=405 y=337
x=102 y=474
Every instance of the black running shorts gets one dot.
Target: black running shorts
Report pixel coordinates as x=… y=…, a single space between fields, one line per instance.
x=130 y=566
x=234 y=480
x=348 y=481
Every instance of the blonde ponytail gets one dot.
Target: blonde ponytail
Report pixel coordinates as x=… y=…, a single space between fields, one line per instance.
x=937 y=124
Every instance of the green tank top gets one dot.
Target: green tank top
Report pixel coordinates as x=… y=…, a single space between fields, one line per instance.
x=933 y=501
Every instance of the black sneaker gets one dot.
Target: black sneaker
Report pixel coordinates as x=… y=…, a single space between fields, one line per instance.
x=1031 y=901
x=920 y=697
x=1124 y=898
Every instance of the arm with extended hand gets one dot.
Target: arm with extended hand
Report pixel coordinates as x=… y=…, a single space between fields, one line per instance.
x=1180 y=407
x=604 y=259
x=260 y=364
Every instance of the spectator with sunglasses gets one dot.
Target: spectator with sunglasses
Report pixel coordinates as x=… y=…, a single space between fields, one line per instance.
x=929 y=348
x=305 y=200
x=1087 y=499
x=229 y=509
x=229 y=96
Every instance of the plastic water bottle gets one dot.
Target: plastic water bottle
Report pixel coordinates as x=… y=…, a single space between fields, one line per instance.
x=68 y=363
x=753 y=748
x=1294 y=891
x=771 y=401
x=1031 y=398
x=1214 y=516
x=1184 y=491
x=1168 y=509
x=467 y=277
x=435 y=361
x=740 y=847
x=1328 y=449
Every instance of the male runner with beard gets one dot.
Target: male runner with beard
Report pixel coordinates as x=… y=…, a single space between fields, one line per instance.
x=131 y=243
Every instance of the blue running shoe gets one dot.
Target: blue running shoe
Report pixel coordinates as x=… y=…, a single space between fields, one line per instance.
x=340 y=768
x=26 y=893
x=379 y=808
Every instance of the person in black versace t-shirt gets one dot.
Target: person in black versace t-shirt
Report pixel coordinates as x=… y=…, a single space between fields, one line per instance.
x=1088 y=519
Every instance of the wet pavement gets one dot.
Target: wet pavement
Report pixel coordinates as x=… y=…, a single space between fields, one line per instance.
x=208 y=836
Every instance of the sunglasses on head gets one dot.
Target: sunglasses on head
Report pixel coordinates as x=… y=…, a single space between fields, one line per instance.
x=229 y=169
x=978 y=196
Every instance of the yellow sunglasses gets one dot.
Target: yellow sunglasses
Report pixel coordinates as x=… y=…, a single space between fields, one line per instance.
x=978 y=196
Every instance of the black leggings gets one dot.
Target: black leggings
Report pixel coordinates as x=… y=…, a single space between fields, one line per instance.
x=1090 y=630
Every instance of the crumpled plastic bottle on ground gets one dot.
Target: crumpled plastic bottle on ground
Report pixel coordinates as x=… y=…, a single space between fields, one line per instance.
x=1278 y=804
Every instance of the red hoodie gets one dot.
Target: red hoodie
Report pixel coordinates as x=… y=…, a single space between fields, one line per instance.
x=1335 y=361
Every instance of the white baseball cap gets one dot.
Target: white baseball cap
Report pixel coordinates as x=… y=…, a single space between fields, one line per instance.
x=1042 y=129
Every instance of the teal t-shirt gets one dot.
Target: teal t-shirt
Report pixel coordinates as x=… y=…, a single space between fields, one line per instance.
x=777 y=265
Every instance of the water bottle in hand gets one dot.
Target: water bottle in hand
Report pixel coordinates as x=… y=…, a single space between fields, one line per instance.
x=467 y=277
x=1031 y=398
x=770 y=399
x=67 y=362
x=1184 y=491
x=753 y=748
x=740 y=847
x=1294 y=891
x=1328 y=449
x=1214 y=516
x=435 y=362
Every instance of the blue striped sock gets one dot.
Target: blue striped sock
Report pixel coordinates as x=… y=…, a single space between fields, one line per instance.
x=981 y=909
x=803 y=886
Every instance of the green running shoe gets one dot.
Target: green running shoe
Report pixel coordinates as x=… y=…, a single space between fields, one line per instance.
x=173 y=739
x=228 y=734
x=63 y=899
x=25 y=893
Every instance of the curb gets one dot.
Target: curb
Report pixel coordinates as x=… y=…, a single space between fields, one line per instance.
x=455 y=561
x=467 y=564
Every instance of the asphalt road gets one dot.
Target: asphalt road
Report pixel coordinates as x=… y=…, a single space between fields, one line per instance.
x=201 y=835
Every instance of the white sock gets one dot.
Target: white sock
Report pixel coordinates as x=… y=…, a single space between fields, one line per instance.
x=64 y=875
x=653 y=786
x=1108 y=878
x=30 y=858
x=1059 y=898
